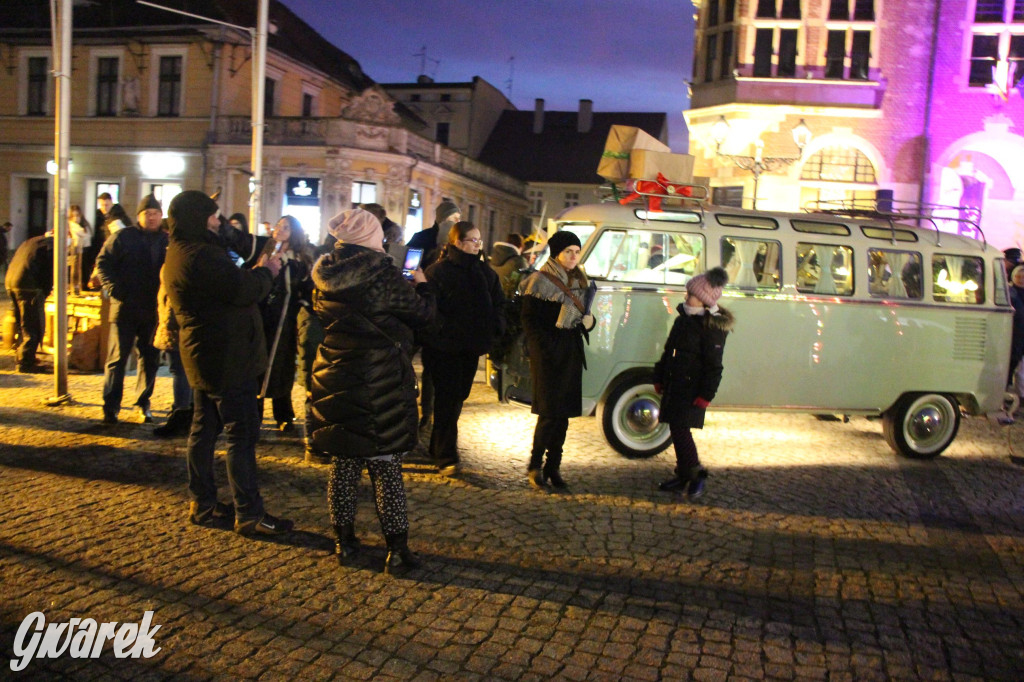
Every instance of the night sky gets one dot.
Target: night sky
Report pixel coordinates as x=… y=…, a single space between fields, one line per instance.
x=625 y=55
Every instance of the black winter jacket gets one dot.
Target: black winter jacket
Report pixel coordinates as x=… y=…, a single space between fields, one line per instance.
x=129 y=268
x=216 y=305
x=363 y=386
x=470 y=304
x=556 y=360
x=32 y=266
x=691 y=364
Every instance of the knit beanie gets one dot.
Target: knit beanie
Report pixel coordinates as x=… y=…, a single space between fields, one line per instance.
x=560 y=241
x=708 y=286
x=149 y=201
x=356 y=226
x=445 y=209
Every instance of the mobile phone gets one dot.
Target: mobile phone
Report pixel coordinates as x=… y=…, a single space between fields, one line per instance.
x=412 y=261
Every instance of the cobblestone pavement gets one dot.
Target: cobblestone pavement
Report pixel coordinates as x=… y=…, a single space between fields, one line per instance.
x=817 y=554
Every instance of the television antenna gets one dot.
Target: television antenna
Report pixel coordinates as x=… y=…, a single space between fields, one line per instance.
x=511 y=74
x=424 y=58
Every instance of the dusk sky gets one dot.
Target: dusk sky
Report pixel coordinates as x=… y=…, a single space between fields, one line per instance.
x=625 y=55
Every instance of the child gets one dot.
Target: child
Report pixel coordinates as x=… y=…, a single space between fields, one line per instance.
x=688 y=374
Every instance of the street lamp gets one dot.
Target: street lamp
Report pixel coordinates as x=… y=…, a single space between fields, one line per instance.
x=758 y=163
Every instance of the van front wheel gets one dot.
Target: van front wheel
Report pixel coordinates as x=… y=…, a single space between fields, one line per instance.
x=630 y=419
x=922 y=425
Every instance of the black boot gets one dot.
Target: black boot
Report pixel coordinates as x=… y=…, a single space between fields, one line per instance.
x=178 y=424
x=400 y=557
x=347 y=545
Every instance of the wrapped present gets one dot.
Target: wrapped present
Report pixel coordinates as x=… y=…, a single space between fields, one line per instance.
x=622 y=140
x=645 y=164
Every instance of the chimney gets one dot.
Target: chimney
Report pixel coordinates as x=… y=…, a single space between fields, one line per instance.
x=424 y=79
x=538 y=116
x=586 y=116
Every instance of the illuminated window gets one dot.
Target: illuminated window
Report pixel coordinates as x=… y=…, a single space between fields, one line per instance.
x=958 y=279
x=751 y=263
x=839 y=164
x=894 y=274
x=998 y=36
x=363 y=193
x=825 y=269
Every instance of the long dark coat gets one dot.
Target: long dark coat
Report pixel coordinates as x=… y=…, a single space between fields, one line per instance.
x=363 y=385
x=470 y=304
x=556 y=360
x=691 y=364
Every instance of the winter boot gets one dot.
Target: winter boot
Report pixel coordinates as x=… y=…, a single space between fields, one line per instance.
x=400 y=557
x=695 y=488
x=178 y=424
x=347 y=545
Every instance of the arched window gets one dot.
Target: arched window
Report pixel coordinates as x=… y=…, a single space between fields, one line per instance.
x=839 y=164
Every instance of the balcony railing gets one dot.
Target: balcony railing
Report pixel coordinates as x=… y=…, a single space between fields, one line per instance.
x=338 y=132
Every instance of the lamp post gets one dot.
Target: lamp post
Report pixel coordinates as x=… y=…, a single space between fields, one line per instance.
x=758 y=163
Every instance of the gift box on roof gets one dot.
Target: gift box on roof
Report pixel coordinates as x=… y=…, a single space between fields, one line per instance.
x=645 y=164
x=622 y=140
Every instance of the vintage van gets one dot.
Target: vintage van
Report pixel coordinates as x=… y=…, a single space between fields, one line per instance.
x=845 y=312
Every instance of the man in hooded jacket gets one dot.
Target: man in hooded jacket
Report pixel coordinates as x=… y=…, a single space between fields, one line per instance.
x=224 y=351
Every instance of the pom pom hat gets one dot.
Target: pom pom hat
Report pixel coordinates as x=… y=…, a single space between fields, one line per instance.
x=708 y=286
x=560 y=241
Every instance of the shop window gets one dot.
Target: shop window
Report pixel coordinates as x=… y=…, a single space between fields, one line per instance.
x=894 y=274
x=751 y=263
x=825 y=269
x=958 y=279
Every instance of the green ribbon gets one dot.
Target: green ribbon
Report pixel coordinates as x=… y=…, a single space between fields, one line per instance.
x=614 y=155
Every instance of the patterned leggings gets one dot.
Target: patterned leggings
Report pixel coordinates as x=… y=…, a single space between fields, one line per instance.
x=388 y=490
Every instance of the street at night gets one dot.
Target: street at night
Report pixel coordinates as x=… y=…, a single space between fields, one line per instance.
x=816 y=554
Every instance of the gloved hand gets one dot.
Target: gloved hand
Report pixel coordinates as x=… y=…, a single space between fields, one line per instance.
x=701 y=403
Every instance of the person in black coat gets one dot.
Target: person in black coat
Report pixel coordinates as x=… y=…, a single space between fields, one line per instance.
x=220 y=338
x=363 y=386
x=292 y=290
x=689 y=371
x=29 y=280
x=129 y=270
x=554 y=321
x=470 y=317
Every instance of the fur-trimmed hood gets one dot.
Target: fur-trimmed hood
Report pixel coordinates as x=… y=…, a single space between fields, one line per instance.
x=722 y=319
x=349 y=267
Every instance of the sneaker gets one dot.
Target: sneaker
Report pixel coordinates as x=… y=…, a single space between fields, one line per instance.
x=265 y=525
x=206 y=516
x=673 y=484
x=144 y=414
x=695 y=489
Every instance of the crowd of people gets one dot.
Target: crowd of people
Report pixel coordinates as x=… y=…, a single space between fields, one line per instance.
x=240 y=316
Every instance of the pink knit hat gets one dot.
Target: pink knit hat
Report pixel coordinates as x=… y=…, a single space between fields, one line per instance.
x=356 y=226
x=708 y=286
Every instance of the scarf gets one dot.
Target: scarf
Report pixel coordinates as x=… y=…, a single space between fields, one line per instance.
x=541 y=287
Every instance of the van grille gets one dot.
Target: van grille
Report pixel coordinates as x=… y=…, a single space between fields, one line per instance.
x=969 y=339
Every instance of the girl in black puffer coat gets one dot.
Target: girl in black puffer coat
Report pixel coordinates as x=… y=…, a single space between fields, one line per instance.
x=363 y=386
x=689 y=372
x=470 y=317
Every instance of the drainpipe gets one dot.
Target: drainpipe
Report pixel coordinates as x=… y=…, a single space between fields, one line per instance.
x=926 y=152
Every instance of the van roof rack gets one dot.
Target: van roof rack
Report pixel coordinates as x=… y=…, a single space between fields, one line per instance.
x=896 y=210
x=651 y=195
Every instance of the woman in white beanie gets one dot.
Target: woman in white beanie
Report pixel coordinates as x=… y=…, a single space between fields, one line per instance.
x=363 y=386
x=688 y=374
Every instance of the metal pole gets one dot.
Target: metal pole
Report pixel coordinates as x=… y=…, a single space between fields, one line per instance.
x=757 y=174
x=62 y=147
x=259 y=74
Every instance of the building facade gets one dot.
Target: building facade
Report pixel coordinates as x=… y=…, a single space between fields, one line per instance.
x=920 y=98
x=162 y=103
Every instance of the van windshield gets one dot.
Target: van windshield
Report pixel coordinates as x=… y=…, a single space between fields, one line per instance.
x=647 y=256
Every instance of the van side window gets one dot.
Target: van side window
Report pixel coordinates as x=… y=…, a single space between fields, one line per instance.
x=751 y=263
x=824 y=269
x=958 y=279
x=753 y=222
x=894 y=274
x=817 y=227
x=646 y=256
x=1001 y=293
